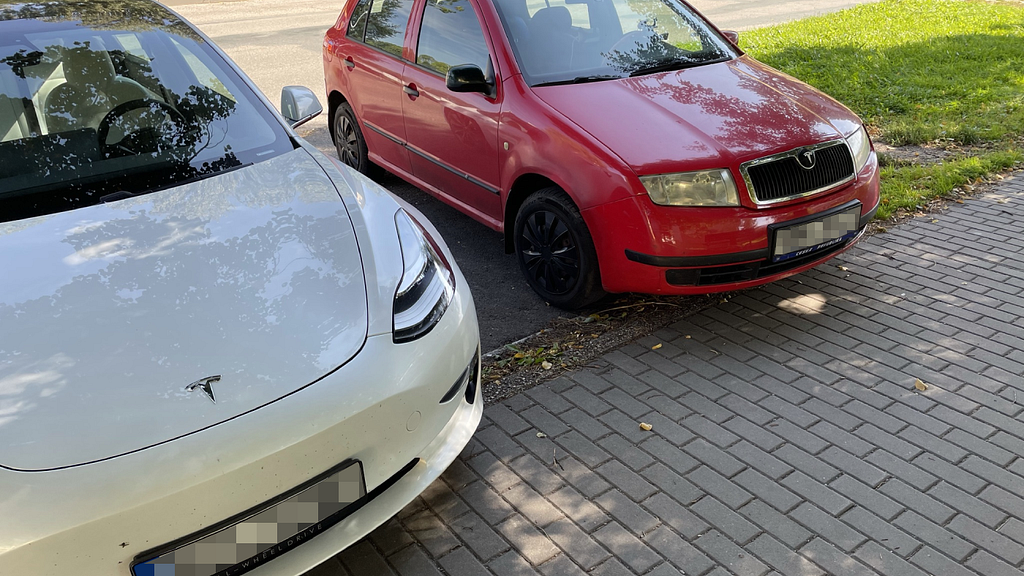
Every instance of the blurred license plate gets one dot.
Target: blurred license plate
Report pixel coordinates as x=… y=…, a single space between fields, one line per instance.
x=817 y=234
x=265 y=533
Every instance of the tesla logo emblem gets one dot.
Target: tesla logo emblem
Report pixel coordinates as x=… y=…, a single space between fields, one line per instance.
x=806 y=159
x=206 y=385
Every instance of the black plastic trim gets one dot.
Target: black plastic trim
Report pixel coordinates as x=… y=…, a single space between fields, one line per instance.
x=694 y=261
x=738 y=257
x=716 y=276
x=866 y=219
x=474 y=378
x=457 y=387
x=433 y=160
x=383 y=133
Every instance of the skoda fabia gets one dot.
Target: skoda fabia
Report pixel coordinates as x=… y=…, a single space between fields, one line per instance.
x=620 y=145
x=219 y=350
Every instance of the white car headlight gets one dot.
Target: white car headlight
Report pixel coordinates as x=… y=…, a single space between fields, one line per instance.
x=860 y=145
x=704 y=188
x=428 y=282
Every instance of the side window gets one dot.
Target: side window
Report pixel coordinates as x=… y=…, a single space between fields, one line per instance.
x=357 y=24
x=385 y=28
x=451 y=35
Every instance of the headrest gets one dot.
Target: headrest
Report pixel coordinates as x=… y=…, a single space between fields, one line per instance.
x=85 y=66
x=553 y=17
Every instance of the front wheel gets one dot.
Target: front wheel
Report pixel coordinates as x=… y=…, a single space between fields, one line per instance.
x=555 y=250
x=349 y=141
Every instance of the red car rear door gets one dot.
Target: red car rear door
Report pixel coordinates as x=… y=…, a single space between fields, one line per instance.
x=373 y=61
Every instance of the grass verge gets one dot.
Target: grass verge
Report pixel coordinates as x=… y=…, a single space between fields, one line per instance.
x=945 y=74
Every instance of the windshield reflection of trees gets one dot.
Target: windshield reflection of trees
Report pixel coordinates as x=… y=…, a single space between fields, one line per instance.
x=136 y=15
x=662 y=35
x=645 y=49
x=135 y=145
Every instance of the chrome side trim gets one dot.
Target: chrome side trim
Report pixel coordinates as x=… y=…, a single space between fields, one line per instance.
x=794 y=153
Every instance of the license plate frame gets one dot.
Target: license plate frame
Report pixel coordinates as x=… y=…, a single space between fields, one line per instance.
x=814 y=233
x=209 y=553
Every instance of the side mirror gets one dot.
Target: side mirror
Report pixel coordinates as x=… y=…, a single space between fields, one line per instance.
x=732 y=36
x=299 y=105
x=467 y=78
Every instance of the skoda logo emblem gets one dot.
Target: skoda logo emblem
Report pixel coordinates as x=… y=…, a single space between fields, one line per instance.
x=806 y=159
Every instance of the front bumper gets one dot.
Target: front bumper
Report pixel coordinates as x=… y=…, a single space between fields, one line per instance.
x=381 y=409
x=669 y=250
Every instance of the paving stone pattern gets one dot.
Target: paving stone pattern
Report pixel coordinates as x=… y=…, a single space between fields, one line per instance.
x=788 y=434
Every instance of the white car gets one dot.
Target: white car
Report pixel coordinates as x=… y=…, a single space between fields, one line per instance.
x=220 y=351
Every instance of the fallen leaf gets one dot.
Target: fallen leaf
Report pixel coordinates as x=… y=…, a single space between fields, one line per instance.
x=656 y=346
x=687 y=336
x=646 y=427
x=546 y=365
x=541 y=435
x=920 y=385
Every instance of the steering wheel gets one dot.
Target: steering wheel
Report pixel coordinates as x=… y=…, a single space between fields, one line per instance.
x=126 y=145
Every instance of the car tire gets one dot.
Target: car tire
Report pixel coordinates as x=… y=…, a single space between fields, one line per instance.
x=349 y=142
x=555 y=250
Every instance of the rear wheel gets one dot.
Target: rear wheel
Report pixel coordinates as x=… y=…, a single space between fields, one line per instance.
x=555 y=250
x=349 y=141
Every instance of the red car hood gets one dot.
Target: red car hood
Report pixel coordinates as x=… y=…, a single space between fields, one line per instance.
x=708 y=117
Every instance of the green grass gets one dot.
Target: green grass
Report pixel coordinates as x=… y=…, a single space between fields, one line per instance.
x=917 y=71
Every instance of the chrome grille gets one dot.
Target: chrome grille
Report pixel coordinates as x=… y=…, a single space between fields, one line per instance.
x=787 y=175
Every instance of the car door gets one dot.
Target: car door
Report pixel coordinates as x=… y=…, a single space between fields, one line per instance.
x=453 y=137
x=374 y=64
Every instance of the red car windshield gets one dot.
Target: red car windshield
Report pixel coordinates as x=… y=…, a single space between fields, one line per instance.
x=566 y=41
x=102 y=100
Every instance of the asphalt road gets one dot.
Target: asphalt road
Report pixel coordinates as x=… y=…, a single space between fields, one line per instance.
x=277 y=43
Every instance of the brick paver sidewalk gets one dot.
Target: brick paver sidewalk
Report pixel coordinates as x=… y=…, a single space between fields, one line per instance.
x=788 y=434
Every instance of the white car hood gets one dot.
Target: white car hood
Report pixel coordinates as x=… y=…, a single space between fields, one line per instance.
x=108 y=313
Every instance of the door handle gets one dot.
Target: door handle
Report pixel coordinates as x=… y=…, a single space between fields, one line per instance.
x=350 y=63
x=411 y=90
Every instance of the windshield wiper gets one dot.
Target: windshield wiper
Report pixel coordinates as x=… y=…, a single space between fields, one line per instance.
x=580 y=80
x=674 y=64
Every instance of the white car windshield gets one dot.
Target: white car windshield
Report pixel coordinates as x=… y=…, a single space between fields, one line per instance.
x=111 y=99
x=567 y=41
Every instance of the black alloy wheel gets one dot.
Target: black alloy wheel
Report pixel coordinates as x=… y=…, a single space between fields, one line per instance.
x=555 y=250
x=348 y=140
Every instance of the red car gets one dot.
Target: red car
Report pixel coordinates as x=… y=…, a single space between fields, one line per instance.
x=620 y=145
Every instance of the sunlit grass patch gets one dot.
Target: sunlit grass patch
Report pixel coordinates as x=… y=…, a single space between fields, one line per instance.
x=940 y=72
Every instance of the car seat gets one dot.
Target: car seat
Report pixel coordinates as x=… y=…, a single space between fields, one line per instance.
x=91 y=89
x=552 y=40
